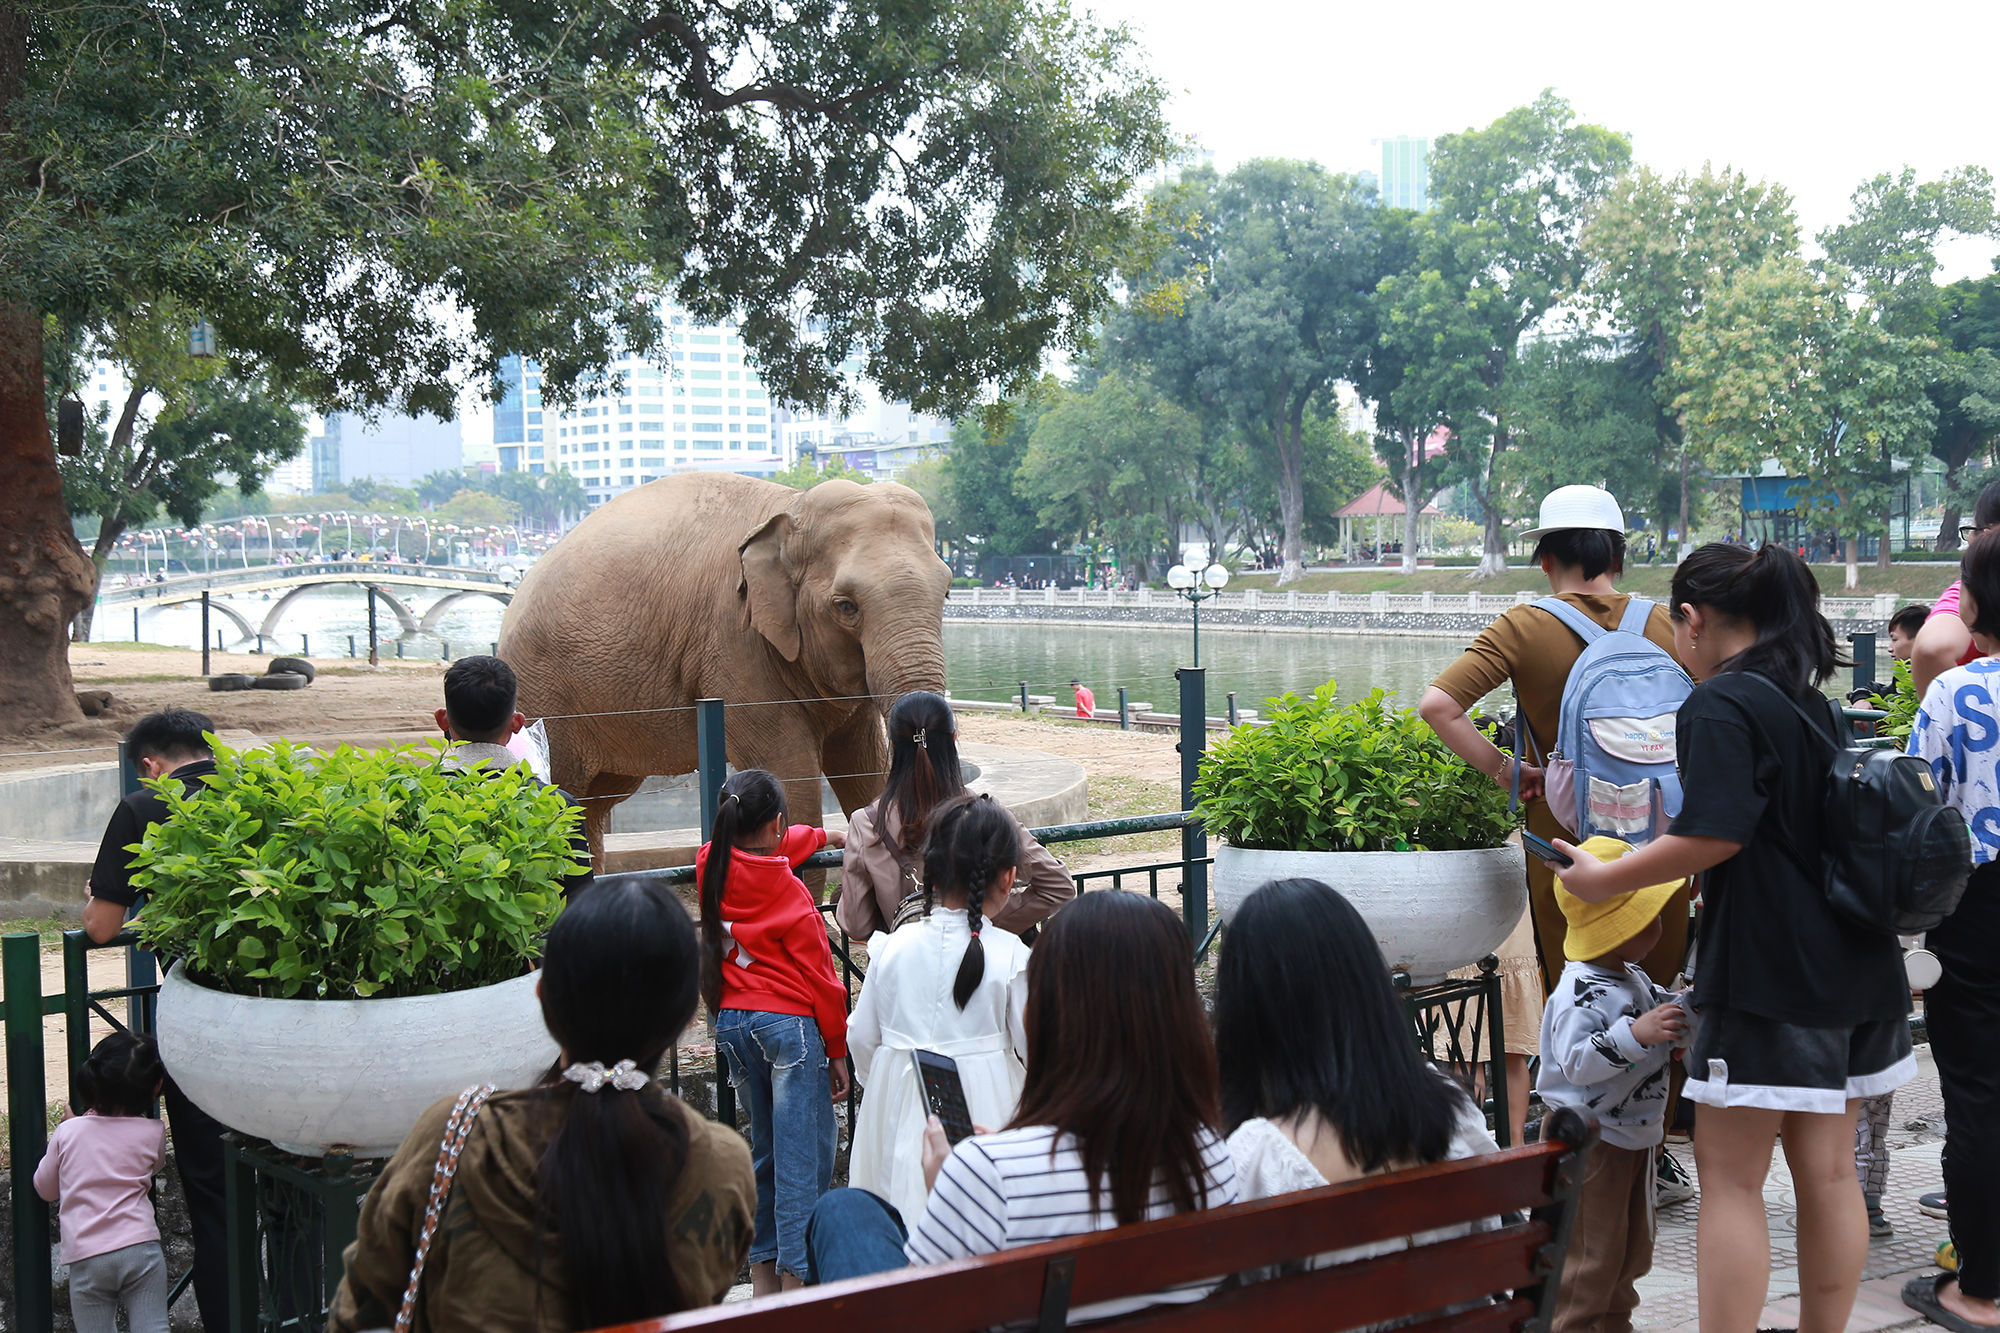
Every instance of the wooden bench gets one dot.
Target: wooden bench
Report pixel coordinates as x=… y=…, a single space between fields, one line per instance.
x=1036 y=1285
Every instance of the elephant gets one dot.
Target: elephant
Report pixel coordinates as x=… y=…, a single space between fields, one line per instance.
x=809 y=612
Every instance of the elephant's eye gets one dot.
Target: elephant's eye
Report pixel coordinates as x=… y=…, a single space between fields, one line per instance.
x=846 y=607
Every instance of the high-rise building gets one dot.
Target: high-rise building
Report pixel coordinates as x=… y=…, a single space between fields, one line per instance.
x=324 y=450
x=1406 y=173
x=709 y=413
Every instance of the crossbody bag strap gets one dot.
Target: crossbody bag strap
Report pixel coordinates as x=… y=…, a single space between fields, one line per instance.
x=1785 y=843
x=463 y=1113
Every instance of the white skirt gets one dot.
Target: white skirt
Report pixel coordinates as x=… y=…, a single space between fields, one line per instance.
x=888 y=1153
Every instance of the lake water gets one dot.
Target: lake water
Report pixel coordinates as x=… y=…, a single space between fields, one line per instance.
x=986 y=661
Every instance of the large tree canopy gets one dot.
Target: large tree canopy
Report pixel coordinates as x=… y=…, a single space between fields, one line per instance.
x=374 y=202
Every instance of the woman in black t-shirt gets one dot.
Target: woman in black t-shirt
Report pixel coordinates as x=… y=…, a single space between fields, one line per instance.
x=1800 y=1014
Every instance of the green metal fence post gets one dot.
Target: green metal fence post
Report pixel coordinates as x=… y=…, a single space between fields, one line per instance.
x=1194 y=839
x=239 y=1190
x=76 y=999
x=27 y=1129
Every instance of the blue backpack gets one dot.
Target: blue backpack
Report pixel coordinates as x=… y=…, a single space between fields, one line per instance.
x=1612 y=769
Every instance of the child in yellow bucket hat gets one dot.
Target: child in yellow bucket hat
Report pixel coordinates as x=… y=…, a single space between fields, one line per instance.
x=1608 y=1035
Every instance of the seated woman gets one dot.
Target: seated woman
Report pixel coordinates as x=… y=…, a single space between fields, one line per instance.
x=592 y=1199
x=1321 y=1082
x=879 y=873
x=1117 y=1121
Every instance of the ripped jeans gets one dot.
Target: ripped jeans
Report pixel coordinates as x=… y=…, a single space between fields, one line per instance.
x=778 y=1066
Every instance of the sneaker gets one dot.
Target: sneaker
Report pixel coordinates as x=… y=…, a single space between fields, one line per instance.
x=1671 y=1184
x=1947 y=1256
x=1932 y=1205
x=1879 y=1226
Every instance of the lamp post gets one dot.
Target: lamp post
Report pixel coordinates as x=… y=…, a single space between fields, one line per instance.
x=1198 y=585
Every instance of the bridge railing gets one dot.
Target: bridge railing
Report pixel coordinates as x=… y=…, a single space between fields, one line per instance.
x=361 y=569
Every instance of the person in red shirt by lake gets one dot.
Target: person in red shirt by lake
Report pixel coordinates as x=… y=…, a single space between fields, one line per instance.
x=1086 y=702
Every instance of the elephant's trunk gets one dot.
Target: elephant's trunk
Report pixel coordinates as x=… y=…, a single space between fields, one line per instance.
x=905 y=655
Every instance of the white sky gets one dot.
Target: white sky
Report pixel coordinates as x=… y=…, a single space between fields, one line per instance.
x=1817 y=96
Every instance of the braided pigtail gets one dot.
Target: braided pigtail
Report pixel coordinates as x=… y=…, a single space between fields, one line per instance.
x=972 y=842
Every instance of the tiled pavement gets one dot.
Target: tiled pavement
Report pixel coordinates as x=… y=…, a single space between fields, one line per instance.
x=1916 y=1142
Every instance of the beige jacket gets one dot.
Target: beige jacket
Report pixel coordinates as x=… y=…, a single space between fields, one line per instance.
x=872 y=883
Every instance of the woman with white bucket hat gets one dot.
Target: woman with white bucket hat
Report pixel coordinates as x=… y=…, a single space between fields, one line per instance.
x=1580 y=545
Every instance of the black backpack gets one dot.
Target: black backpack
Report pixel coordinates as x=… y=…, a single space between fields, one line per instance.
x=1894 y=857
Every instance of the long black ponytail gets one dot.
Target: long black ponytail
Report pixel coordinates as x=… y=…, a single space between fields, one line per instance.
x=1774 y=590
x=618 y=983
x=972 y=840
x=924 y=771
x=750 y=800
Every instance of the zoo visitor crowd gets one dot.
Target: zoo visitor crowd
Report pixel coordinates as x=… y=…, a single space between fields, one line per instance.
x=1680 y=949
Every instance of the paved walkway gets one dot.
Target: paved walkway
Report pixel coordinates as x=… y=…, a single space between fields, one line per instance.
x=1916 y=1144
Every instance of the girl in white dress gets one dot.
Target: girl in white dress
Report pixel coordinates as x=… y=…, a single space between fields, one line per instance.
x=942 y=984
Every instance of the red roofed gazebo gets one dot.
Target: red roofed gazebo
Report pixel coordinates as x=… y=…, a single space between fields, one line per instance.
x=1378 y=504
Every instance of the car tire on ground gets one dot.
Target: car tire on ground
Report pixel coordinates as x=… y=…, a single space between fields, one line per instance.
x=296 y=665
x=279 y=680
x=231 y=680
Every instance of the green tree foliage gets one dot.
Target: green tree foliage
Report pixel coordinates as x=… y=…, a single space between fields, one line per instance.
x=1657 y=246
x=477 y=509
x=366 y=200
x=1582 y=413
x=807 y=473
x=986 y=455
x=1967 y=392
x=1277 y=260
x=1111 y=464
x=1890 y=246
x=214 y=422
x=1501 y=248
x=1781 y=365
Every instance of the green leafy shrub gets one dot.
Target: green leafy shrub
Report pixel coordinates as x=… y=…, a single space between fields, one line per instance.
x=354 y=874
x=1361 y=777
x=1899 y=702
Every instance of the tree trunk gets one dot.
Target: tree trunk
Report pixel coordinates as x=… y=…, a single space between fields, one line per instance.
x=1882 y=552
x=1292 y=495
x=1683 y=533
x=1413 y=505
x=1949 y=521
x=1853 y=564
x=1493 y=552
x=108 y=533
x=45 y=578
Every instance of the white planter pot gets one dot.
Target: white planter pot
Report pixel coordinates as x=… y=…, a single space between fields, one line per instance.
x=1430 y=911
x=310 y=1075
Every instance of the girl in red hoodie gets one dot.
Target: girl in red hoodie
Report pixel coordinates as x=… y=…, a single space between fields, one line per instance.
x=780 y=1010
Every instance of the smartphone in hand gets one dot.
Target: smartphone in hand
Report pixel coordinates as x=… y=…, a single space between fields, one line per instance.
x=944 y=1095
x=1544 y=850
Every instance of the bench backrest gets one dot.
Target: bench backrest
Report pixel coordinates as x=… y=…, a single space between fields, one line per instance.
x=1038 y=1284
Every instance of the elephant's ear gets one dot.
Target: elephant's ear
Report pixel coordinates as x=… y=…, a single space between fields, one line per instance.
x=769 y=586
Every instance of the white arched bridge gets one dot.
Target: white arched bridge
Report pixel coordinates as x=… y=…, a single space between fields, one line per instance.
x=456 y=582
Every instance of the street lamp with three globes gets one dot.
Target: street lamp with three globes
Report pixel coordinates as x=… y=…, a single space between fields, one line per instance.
x=1198 y=585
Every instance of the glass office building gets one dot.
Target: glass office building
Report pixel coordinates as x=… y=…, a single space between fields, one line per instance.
x=1406 y=175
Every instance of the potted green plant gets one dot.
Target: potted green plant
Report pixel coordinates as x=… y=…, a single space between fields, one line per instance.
x=354 y=935
x=1366 y=798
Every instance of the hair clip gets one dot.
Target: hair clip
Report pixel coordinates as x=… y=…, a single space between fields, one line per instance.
x=625 y=1076
x=918 y=737
x=732 y=796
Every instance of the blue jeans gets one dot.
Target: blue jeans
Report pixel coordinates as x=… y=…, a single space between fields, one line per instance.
x=854 y=1233
x=778 y=1066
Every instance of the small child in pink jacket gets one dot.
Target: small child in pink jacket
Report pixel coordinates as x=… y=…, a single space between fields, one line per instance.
x=100 y=1163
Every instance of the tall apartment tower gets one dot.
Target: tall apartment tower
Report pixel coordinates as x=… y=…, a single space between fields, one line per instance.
x=1406 y=176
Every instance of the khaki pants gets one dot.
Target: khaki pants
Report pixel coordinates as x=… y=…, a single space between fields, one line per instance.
x=1611 y=1247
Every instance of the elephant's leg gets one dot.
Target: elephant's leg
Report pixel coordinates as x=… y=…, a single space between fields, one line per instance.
x=785 y=747
x=855 y=759
x=605 y=791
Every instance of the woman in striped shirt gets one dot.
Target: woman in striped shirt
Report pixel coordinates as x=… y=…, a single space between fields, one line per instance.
x=1118 y=1121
